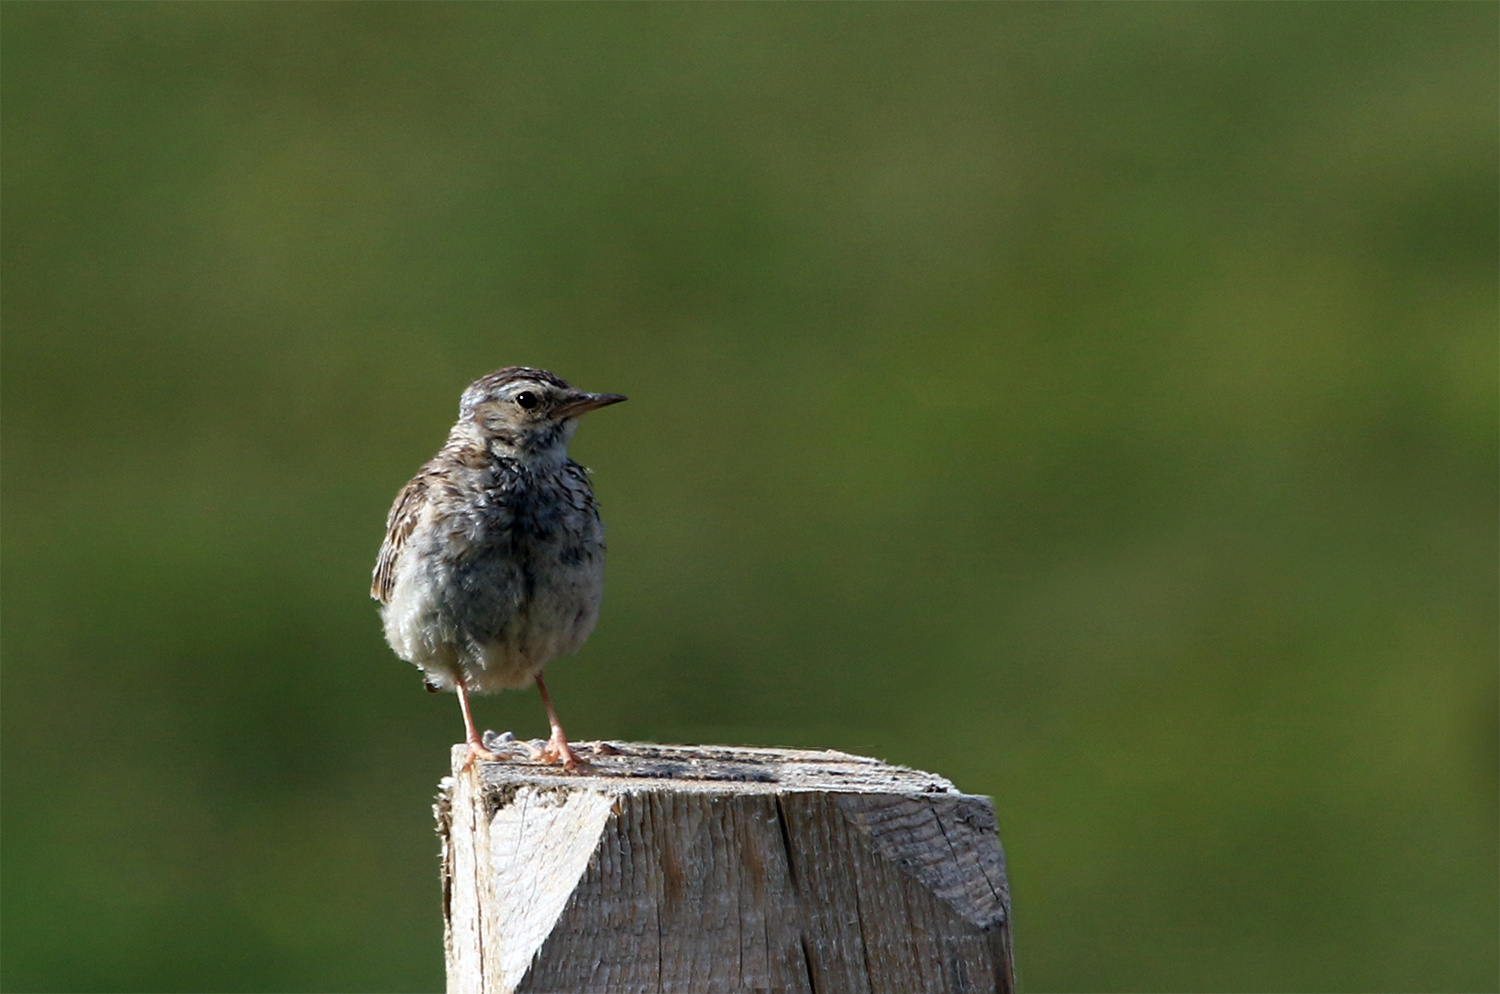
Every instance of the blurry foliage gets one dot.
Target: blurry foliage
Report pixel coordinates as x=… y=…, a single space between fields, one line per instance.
x=1093 y=403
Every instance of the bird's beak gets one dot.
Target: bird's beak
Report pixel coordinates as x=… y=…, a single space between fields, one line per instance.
x=582 y=403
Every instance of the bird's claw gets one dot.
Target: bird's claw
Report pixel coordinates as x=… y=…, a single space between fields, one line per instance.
x=478 y=751
x=556 y=751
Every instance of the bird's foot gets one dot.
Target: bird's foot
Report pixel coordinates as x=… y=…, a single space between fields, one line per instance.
x=555 y=751
x=478 y=751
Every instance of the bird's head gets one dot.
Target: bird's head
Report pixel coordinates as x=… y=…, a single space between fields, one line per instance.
x=526 y=412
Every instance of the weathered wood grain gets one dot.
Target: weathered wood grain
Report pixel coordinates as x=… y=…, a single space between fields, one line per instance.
x=677 y=868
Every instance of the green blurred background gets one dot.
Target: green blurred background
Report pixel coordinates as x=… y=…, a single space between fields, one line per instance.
x=1095 y=404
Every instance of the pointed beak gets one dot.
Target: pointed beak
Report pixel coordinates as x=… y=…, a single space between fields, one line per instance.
x=582 y=403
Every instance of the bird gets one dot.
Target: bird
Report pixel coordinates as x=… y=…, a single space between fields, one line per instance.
x=493 y=558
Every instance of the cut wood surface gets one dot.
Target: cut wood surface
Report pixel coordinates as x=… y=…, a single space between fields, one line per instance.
x=711 y=868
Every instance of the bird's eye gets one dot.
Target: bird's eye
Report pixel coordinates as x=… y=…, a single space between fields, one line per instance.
x=526 y=399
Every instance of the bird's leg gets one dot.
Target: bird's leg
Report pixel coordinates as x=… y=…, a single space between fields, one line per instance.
x=475 y=743
x=556 y=750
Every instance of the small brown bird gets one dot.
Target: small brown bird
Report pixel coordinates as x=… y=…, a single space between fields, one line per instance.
x=493 y=560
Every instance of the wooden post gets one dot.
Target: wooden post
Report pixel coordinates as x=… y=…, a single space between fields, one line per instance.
x=686 y=868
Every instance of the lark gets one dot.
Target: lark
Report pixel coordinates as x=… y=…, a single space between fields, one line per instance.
x=493 y=559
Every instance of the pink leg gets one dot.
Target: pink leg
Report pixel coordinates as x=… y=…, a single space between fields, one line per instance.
x=557 y=746
x=475 y=743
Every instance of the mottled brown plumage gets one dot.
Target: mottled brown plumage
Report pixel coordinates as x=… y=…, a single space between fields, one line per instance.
x=493 y=559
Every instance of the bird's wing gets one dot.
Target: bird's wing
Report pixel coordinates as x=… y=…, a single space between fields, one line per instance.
x=405 y=513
